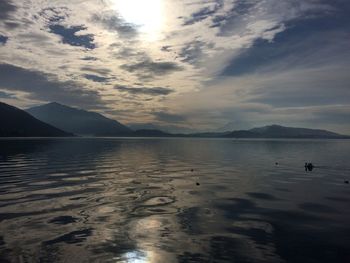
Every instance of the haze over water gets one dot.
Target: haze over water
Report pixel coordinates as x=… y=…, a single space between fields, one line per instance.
x=137 y=200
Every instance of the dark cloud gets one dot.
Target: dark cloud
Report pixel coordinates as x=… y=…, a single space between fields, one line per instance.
x=239 y=10
x=242 y=10
x=166 y=48
x=6 y=8
x=148 y=68
x=114 y=23
x=100 y=71
x=54 y=14
x=47 y=87
x=11 y=25
x=89 y=58
x=192 y=52
x=203 y=13
x=70 y=37
x=260 y=54
x=152 y=91
x=96 y=78
x=237 y=20
x=3 y=39
x=301 y=43
x=169 y=117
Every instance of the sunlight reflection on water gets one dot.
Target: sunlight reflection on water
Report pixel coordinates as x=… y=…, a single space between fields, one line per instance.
x=173 y=200
x=133 y=257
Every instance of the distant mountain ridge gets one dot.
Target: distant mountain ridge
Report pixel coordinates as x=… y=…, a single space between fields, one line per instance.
x=270 y=131
x=278 y=131
x=55 y=119
x=18 y=123
x=78 y=121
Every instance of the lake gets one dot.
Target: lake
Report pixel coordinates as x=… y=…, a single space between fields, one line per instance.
x=174 y=200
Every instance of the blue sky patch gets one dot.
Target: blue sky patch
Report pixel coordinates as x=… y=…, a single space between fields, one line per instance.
x=69 y=36
x=3 y=39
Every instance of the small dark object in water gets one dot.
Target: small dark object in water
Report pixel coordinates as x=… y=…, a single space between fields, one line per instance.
x=192 y=170
x=276 y=163
x=346 y=182
x=309 y=166
x=197 y=183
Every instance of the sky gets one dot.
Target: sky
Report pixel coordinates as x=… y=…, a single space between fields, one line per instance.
x=182 y=65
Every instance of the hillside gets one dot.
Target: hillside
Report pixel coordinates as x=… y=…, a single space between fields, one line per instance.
x=78 y=121
x=18 y=123
x=277 y=131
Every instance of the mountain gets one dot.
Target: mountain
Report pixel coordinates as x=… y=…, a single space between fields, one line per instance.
x=18 y=123
x=277 y=131
x=78 y=121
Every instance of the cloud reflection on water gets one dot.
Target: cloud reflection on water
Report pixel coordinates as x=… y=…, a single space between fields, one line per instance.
x=136 y=200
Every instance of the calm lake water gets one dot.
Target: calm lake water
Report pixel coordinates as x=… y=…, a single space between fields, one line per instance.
x=138 y=200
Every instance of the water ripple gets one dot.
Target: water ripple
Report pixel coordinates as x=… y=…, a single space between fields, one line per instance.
x=173 y=200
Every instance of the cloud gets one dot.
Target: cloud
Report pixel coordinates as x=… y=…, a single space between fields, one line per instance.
x=193 y=51
x=100 y=71
x=303 y=44
x=169 y=117
x=89 y=58
x=54 y=14
x=6 y=8
x=46 y=87
x=203 y=13
x=148 y=68
x=225 y=61
x=303 y=87
x=239 y=9
x=70 y=37
x=338 y=114
x=127 y=52
x=3 y=39
x=166 y=48
x=96 y=78
x=11 y=25
x=6 y=95
x=112 y=22
x=296 y=46
x=286 y=97
x=152 y=91
x=249 y=16
x=34 y=38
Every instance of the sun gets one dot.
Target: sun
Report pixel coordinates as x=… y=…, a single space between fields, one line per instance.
x=146 y=14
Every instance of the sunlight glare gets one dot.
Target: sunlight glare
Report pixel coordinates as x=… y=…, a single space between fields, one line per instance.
x=146 y=14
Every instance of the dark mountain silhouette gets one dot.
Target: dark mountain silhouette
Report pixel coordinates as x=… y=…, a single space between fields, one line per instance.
x=277 y=131
x=78 y=121
x=54 y=119
x=271 y=131
x=18 y=123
